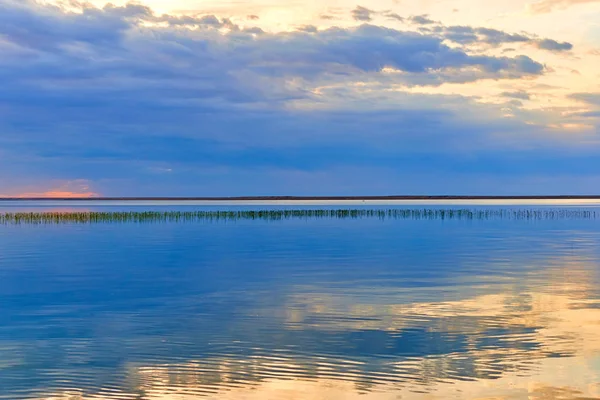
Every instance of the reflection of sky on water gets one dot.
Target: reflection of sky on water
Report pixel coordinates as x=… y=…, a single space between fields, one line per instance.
x=154 y=205
x=320 y=309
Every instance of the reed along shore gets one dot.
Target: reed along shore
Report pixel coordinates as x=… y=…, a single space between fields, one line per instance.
x=91 y=217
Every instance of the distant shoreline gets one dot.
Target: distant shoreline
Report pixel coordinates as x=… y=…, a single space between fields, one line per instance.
x=305 y=198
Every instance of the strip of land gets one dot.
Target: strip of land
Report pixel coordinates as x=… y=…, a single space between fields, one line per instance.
x=307 y=198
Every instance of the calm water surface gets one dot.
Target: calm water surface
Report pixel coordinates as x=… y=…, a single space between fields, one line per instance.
x=300 y=309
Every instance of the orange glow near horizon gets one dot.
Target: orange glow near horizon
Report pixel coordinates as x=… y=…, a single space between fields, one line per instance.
x=58 y=194
x=53 y=194
x=77 y=188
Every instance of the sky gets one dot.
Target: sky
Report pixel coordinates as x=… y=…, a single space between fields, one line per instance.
x=328 y=97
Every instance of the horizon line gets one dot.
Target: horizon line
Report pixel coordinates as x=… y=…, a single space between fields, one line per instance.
x=310 y=198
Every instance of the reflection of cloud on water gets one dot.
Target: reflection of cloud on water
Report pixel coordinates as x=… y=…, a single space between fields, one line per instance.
x=535 y=337
x=555 y=379
x=559 y=306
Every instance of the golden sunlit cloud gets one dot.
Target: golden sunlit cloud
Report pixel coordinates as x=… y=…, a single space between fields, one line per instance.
x=546 y=6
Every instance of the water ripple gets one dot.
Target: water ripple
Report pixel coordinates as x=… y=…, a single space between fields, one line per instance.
x=301 y=309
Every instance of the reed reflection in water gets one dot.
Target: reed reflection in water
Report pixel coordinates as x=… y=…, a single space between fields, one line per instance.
x=320 y=308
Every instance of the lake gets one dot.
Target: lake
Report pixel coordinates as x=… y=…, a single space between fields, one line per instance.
x=406 y=305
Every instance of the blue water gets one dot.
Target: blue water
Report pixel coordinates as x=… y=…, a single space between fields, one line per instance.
x=301 y=309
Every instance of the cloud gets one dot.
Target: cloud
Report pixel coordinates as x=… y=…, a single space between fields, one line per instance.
x=308 y=28
x=120 y=92
x=362 y=14
x=471 y=35
x=209 y=20
x=459 y=34
x=546 y=6
x=218 y=64
x=590 y=114
x=522 y=95
x=394 y=16
x=494 y=36
x=590 y=98
x=421 y=20
x=553 y=45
